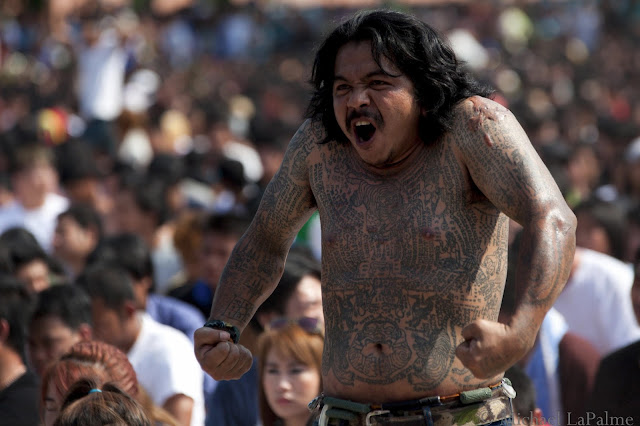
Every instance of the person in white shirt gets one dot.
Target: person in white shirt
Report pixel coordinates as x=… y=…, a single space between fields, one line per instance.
x=162 y=357
x=36 y=203
x=595 y=301
x=101 y=49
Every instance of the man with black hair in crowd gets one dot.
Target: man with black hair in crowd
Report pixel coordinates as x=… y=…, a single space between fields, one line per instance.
x=141 y=208
x=220 y=233
x=78 y=231
x=616 y=391
x=18 y=386
x=82 y=177
x=22 y=256
x=161 y=355
x=130 y=252
x=61 y=318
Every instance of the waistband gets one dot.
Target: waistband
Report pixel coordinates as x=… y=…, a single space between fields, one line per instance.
x=475 y=407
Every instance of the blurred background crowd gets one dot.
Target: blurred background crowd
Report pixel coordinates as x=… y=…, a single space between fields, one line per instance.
x=136 y=138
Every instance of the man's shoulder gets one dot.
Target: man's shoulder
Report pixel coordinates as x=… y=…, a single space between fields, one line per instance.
x=22 y=393
x=54 y=204
x=578 y=352
x=154 y=334
x=472 y=114
x=626 y=355
x=605 y=261
x=594 y=263
x=175 y=313
x=11 y=215
x=12 y=209
x=310 y=135
x=474 y=104
x=175 y=306
x=181 y=292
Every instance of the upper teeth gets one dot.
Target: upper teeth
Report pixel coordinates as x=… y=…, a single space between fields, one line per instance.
x=362 y=123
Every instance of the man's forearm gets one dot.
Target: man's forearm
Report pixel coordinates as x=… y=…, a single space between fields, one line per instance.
x=544 y=264
x=251 y=274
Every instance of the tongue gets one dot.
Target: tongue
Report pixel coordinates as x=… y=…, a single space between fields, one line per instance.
x=365 y=132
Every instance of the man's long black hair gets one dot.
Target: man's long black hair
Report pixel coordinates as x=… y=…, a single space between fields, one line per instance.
x=416 y=49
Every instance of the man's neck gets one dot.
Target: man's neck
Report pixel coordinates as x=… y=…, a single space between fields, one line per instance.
x=133 y=330
x=74 y=267
x=414 y=157
x=11 y=368
x=31 y=203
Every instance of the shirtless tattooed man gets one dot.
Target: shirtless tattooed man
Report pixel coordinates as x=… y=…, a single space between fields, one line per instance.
x=415 y=173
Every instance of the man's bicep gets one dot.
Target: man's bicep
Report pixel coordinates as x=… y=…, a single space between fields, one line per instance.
x=288 y=201
x=506 y=168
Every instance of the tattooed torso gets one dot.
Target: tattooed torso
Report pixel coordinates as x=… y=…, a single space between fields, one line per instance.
x=409 y=259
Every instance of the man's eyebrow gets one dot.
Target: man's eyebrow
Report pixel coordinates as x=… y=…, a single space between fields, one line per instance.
x=371 y=74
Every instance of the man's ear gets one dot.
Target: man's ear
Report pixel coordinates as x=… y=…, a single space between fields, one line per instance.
x=129 y=308
x=147 y=282
x=5 y=329
x=94 y=235
x=85 y=331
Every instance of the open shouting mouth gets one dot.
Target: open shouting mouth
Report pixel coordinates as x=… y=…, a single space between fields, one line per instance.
x=364 y=131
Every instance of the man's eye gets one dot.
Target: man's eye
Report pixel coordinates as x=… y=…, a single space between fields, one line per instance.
x=341 y=88
x=378 y=83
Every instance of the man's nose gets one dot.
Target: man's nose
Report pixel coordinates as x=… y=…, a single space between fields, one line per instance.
x=358 y=98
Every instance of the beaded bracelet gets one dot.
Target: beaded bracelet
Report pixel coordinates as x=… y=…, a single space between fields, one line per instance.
x=225 y=326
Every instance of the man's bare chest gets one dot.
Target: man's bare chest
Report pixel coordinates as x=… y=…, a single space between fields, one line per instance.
x=426 y=217
x=419 y=200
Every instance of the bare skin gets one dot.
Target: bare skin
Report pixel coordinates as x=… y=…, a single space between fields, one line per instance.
x=414 y=242
x=180 y=406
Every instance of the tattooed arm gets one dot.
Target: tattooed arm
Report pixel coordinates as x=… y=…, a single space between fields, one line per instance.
x=257 y=261
x=505 y=167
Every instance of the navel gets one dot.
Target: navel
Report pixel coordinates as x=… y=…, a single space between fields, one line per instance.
x=427 y=233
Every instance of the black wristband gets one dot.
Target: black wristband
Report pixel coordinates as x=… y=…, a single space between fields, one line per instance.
x=225 y=326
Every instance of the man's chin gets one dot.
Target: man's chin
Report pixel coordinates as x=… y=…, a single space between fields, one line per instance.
x=374 y=162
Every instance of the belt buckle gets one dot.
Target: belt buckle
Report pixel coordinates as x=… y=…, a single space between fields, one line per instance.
x=374 y=413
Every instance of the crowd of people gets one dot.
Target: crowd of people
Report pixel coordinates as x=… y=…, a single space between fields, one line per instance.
x=137 y=139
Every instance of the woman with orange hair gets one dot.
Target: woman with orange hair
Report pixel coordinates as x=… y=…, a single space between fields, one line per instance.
x=101 y=363
x=290 y=357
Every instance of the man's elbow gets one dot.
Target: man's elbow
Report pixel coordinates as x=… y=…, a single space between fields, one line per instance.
x=567 y=222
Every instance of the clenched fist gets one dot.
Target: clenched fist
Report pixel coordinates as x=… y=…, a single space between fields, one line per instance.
x=219 y=356
x=489 y=348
